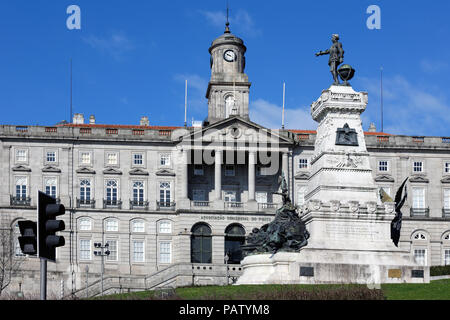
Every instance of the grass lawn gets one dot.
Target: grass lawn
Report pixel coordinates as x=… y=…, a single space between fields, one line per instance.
x=436 y=290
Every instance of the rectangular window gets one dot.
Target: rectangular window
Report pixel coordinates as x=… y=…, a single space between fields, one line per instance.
x=21 y=188
x=418 y=198
x=261 y=197
x=165 y=227
x=138 y=159
x=229 y=196
x=303 y=163
x=85 y=158
x=420 y=256
x=198 y=170
x=112 y=250
x=447 y=167
x=165 y=254
x=418 y=166
x=51 y=156
x=198 y=195
x=138 y=251
x=21 y=155
x=85 y=249
x=164 y=160
x=447 y=199
x=447 y=257
x=112 y=159
x=50 y=187
x=383 y=166
x=230 y=171
x=301 y=193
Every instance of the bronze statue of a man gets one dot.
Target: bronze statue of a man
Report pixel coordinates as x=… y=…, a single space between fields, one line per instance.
x=336 y=53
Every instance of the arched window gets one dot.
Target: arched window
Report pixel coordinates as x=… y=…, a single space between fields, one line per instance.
x=138 y=193
x=420 y=236
x=85 y=191
x=230 y=106
x=234 y=238
x=85 y=224
x=15 y=240
x=201 y=244
x=138 y=225
x=111 y=225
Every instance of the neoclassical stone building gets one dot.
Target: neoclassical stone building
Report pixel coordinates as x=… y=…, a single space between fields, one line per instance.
x=171 y=202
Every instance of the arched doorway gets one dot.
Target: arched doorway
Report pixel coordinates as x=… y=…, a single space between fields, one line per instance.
x=234 y=238
x=201 y=244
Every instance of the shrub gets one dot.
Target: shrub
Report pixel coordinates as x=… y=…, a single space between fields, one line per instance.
x=440 y=271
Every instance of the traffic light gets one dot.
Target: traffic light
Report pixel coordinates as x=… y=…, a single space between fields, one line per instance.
x=47 y=225
x=28 y=238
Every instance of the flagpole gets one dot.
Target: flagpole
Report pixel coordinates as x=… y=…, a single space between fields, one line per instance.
x=284 y=99
x=185 y=104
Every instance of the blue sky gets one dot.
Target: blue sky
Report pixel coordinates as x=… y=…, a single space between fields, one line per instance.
x=131 y=59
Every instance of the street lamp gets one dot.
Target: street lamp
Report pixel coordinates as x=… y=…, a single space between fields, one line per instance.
x=226 y=258
x=102 y=254
x=87 y=280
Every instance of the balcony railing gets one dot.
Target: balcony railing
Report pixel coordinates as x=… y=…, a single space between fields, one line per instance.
x=137 y=204
x=196 y=203
x=266 y=206
x=114 y=204
x=20 y=201
x=232 y=204
x=445 y=213
x=165 y=205
x=85 y=203
x=420 y=212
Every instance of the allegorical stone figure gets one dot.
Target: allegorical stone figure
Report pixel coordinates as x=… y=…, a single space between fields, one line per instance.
x=336 y=53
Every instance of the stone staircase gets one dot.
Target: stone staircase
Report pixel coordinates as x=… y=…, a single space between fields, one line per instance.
x=176 y=275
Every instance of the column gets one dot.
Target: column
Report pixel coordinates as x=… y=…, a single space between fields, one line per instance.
x=218 y=174
x=251 y=175
x=285 y=167
x=184 y=177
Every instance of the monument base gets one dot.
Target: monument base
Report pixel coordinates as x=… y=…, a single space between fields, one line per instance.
x=319 y=266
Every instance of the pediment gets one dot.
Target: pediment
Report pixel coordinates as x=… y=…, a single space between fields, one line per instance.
x=419 y=179
x=85 y=170
x=302 y=176
x=384 y=178
x=138 y=172
x=21 y=168
x=165 y=172
x=51 y=169
x=446 y=179
x=112 y=171
x=237 y=129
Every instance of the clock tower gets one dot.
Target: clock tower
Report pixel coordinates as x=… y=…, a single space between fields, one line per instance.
x=228 y=89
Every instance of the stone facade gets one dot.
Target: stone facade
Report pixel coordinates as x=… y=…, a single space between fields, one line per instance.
x=149 y=187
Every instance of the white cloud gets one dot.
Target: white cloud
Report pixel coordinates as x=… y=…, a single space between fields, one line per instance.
x=116 y=45
x=428 y=66
x=241 y=21
x=409 y=109
x=270 y=115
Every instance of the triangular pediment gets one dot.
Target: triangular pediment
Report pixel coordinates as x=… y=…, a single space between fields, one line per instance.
x=51 y=169
x=165 y=172
x=85 y=170
x=446 y=179
x=112 y=171
x=384 y=178
x=138 y=172
x=302 y=176
x=237 y=129
x=21 y=168
x=419 y=179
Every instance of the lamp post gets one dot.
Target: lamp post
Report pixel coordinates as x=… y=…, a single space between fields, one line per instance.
x=226 y=258
x=102 y=254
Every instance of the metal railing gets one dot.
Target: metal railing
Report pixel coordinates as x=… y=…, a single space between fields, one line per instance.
x=137 y=204
x=266 y=206
x=85 y=203
x=200 y=203
x=420 y=212
x=165 y=205
x=20 y=201
x=115 y=204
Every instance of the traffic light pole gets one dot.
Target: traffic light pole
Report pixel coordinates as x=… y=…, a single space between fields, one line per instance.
x=43 y=279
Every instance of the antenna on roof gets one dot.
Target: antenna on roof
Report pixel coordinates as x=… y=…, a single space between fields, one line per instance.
x=284 y=99
x=381 y=94
x=227 y=24
x=71 y=111
x=185 y=104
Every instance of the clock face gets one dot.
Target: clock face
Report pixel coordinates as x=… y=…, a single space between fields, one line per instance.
x=229 y=56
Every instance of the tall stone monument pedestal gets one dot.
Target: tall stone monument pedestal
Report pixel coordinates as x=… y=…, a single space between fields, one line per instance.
x=349 y=228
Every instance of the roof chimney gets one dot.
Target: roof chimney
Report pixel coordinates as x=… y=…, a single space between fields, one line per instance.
x=78 y=118
x=144 y=121
x=92 y=119
x=372 y=127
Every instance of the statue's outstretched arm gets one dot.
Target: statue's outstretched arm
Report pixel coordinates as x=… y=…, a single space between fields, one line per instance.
x=321 y=53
